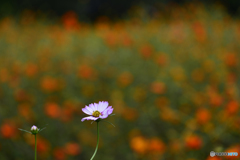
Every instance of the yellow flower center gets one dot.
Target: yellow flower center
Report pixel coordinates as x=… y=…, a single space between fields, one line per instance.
x=96 y=113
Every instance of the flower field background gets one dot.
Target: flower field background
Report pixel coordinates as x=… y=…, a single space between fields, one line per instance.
x=173 y=81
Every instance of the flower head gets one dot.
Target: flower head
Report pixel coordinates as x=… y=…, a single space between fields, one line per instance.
x=97 y=111
x=34 y=129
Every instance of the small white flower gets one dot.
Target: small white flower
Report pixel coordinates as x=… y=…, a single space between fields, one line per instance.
x=34 y=129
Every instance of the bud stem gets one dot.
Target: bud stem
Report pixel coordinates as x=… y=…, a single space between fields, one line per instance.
x=97 y=143
x=35 y=146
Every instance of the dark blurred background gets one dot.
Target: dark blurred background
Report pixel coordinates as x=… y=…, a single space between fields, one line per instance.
x=90 y=10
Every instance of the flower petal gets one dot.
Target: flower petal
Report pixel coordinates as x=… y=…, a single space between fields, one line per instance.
x=102 y=106
x=96 y=106
x=109 y=110
x=106 y=112
x=89 y=118
x=85 y=110
x=92 y=106
x=90 y=109
x=102 y=116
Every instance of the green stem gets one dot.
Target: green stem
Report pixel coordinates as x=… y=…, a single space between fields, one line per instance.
x=97 y=143
x=35 y=146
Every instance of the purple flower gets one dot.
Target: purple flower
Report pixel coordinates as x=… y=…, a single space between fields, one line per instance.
x=96 y=111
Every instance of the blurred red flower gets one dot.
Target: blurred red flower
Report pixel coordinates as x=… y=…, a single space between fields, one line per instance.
x=52 y=110
x=4 y=75
x=31 y=69
x=127 y=40
x=193 y=142
x=162 y=59
x=59 y=154
x=235 y=148
x=146 y=51
x=203 y=115
x=70 y=21
x=232 y=107
x=86 y=72
x=8 y=130
x=49 y=84
x=200 y=31
x=231 y=59
x=156 y=146
x=214 y=158
x=158 y=87
x=21 y=95
x=72 y=149
x=43 y=145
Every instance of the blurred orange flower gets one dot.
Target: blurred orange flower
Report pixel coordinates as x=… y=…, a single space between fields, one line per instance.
x=86 y=72
x=8 y=130
x=4 y=75
x=49 y=84
x=43 y=145
x=21 y=95
x=25 y=111
x=52 y=110
x=231 y=59
x=235 y=148
x=139 y=144
x=203 y=115
x=59 y=154
x=232 y=107
x=216 y=100
x=199 y=31
x=162 y=59
x=214 y=158
x=72 y=149
x=231 y=77
x=156 y=146
x=146 y=50
x=111 y=39
x=125 y=79
x=31 y=69
x=169 y=115
x=70 y=21
x=193 y=142
x=127 y=40
x=130 y=114
x=158 y=87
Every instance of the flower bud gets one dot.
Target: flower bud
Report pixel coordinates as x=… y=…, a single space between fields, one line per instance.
x=34 y=129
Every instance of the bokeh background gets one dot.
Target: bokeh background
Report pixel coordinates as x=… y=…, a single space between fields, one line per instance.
x=170 y=70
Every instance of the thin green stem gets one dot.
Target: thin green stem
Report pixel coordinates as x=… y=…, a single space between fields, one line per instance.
x=97 y=143
x=35 y=146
